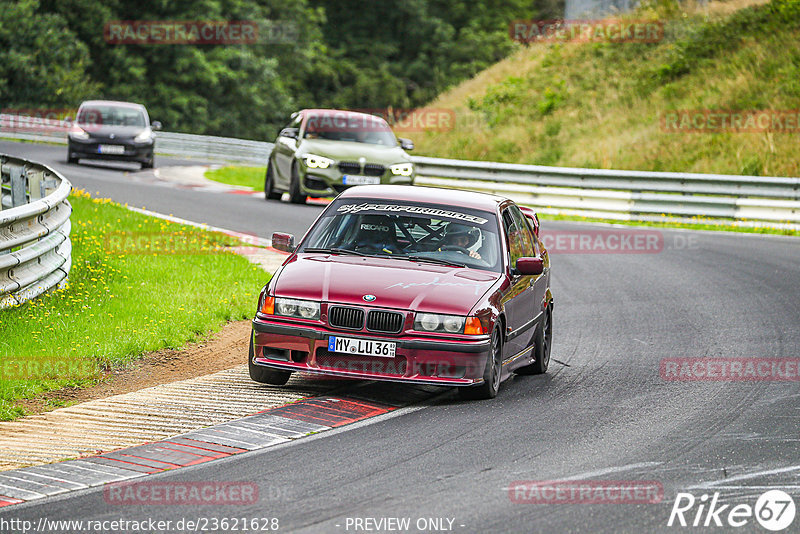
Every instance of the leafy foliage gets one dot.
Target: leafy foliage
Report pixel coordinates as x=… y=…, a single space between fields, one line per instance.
x=352 y=54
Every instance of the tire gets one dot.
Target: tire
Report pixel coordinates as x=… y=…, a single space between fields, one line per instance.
x=70 y=159
x=149 y=164
x=265 y=375
x=296 y=196
x=543 y=344
x=269 y=185
x=491 y=374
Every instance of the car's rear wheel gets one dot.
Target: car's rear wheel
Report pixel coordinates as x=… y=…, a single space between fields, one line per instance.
x=542 y=346
x=296 y=196
x=265 y=375
x=269 y=185
x=491 y=374
x=70 y=159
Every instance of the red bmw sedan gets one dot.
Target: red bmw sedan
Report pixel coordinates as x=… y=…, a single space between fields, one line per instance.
x=409 y=284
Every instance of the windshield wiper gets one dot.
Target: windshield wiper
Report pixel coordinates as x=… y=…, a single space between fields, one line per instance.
x=428 y=259
x=336 y=251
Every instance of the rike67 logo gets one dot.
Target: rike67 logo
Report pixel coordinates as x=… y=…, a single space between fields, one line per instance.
x=774 y=510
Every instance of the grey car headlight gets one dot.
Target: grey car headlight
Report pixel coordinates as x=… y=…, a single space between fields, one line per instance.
x=433 y=322
x=303 y=309
x=145 y=136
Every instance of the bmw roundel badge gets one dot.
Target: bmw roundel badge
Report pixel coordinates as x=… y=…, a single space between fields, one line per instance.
x=369 y=298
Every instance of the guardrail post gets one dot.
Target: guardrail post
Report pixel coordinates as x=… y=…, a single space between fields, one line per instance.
x=18 y=179
x=36 y=185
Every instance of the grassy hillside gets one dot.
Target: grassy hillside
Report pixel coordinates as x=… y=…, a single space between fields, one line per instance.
x=600 y=105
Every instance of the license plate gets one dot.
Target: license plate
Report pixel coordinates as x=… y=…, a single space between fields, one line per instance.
x=362 y=347
x=355 y=179
x=111 y=149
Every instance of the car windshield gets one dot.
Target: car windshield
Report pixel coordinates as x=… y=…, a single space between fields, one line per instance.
x=106 y=115
x=350 y=127
x=418 y=232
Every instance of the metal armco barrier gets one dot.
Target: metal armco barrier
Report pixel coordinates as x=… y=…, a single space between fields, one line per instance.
x=223 y=149
x=601 y=193
x=35 y=251
x=622 y=194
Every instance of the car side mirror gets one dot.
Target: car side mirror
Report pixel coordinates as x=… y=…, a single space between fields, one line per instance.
x=155 y=125
x=529 y=266
x=283 y=242
x=406 y=144
x=290 y=132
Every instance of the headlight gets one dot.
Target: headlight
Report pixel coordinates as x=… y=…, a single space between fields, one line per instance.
x=431 y=322
x=144 y=137
x=317 y=162
x=402 y=169
x=304 y=309
x=76 y=132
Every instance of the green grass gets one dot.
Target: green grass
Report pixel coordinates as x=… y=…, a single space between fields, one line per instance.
x=246 y=176
x=701 y=224
x=600 y=104
x=118 y=306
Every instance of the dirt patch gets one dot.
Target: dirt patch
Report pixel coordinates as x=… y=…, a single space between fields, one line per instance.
x=223 y=350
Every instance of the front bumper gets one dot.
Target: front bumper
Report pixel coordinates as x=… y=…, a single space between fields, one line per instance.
x=331 y=181
x=141 y=152
x=293 y=347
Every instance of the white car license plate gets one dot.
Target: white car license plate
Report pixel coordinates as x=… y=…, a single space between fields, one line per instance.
x=362 y=347
x=111 y=149
x=355 y=179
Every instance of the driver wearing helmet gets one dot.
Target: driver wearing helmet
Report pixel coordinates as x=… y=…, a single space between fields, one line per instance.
x=460 y=237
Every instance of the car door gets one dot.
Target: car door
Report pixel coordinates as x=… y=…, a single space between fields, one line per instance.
x=542 y=281
x=519 y=300
x=283 y=155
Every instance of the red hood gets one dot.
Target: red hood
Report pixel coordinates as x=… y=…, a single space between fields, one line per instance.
x=397 y=284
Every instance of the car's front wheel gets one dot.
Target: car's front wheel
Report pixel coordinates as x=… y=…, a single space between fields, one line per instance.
x=296 y=196
x=491 y=374
x=265 y=375
x=149 y=163
x=269 y=185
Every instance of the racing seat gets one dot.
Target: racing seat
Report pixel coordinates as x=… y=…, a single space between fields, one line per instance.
x=375 y=234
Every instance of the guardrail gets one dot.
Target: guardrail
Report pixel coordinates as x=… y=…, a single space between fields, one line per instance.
x=608 y=194
x=622 y=194
x=208 y=147
x=35 y=250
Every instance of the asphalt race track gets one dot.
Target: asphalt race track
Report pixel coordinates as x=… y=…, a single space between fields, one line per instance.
x=603 y=412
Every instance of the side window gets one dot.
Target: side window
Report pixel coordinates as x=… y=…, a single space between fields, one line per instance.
x=516 y=245
x=294 y=123
x=526 y=236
